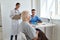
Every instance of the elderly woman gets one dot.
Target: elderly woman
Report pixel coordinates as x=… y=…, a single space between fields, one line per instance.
x=26 y=28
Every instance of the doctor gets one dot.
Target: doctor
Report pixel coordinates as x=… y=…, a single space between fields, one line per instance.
x=15 y=16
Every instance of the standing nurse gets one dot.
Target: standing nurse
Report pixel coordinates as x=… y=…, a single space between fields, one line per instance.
x=15 y=16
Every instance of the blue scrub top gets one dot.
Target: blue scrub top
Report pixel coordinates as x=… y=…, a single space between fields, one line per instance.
x=34 y=19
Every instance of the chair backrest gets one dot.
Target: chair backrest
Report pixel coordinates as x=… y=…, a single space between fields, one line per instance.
x=21 y=36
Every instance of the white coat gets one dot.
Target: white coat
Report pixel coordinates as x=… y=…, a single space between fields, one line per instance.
x=15 y=23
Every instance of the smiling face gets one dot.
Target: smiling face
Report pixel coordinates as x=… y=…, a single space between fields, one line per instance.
x=17 y=5
x=33 y=12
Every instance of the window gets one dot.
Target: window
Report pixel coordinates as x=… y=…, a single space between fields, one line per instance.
x=47 y=8
x=58 y=7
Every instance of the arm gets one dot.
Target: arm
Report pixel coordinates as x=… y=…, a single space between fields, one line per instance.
x=31 y=32
x=39 y=20
x=13 y=16
x=16 y=17
x=37 y=32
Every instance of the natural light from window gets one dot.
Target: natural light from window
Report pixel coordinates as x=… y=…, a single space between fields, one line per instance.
x=47 y=8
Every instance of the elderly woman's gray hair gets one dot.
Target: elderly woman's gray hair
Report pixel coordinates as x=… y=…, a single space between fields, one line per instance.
x=24 y=15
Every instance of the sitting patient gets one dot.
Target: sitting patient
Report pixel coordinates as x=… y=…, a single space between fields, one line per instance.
x=26 y=28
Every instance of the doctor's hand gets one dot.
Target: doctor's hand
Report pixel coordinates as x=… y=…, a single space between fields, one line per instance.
x=16 y=17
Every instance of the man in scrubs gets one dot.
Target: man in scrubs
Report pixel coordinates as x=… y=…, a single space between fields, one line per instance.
x=34 y=19
x=15 y=16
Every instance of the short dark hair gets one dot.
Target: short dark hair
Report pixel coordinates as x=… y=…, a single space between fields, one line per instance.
x=33 y=10
x=17 y=4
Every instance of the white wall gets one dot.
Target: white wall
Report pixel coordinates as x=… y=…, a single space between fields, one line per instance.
x=36 y=5
x=6 y=6
x=56 y=30
x=0 y=16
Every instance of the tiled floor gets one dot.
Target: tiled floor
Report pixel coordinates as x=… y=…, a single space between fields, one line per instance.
x=0 y=33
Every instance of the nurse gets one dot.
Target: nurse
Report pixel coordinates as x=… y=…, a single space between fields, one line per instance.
x=15 y=16
x=34 y=19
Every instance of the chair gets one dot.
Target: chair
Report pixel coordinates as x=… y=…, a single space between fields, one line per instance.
x=21 y=36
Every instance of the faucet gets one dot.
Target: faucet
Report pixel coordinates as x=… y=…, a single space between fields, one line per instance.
x=48 y=20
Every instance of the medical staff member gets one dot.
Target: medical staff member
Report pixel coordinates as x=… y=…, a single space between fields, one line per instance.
x=34 y=19
x=15 y=16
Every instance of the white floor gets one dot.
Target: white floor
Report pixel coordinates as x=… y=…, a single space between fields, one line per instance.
x=0 y=33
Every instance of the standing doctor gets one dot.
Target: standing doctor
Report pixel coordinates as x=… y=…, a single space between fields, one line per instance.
x=15 y=16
